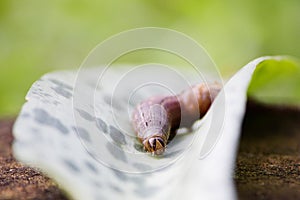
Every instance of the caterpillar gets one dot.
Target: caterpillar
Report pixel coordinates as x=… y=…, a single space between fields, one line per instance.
x=155 y=120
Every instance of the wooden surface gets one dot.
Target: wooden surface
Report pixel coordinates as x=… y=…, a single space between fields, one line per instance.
x=268 y=162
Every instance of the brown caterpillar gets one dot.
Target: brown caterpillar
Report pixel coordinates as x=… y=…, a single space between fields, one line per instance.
x=156 y=119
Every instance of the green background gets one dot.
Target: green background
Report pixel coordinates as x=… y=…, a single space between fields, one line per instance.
x=38 y=36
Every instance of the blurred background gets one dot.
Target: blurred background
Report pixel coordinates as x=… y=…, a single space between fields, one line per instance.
x=38 y=36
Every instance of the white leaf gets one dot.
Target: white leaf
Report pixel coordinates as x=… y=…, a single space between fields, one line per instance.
x=198 y=165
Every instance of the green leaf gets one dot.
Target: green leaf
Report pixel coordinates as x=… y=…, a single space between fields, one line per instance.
x=276 y=81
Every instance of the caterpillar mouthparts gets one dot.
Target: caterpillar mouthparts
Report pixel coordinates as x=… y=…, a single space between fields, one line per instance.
x=154 y=145
x=156 y=119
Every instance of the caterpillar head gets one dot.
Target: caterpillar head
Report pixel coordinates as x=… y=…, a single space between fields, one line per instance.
x=155 y=145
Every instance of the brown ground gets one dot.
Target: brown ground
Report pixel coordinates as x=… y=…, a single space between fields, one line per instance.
x=18 y=181
x=268 y=163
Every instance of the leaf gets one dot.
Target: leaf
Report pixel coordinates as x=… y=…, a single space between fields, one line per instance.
x=93 y=156
x=276 y=81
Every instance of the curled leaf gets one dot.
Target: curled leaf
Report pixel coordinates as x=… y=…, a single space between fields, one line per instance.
x=85 y=151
